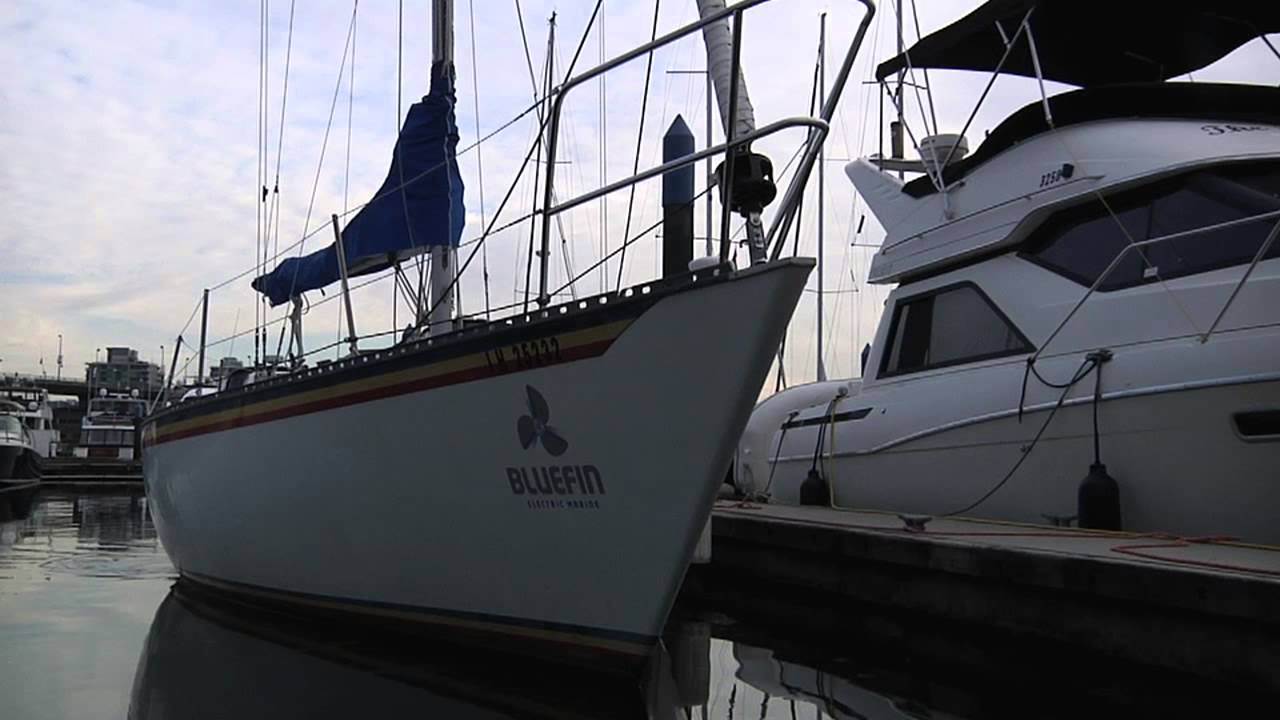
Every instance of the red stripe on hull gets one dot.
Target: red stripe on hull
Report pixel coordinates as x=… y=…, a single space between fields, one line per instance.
x=568 y=355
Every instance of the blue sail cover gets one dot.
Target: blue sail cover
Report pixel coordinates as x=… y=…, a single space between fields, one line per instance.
x=418 y=206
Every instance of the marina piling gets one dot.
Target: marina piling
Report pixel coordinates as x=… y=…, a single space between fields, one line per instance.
x=677 y=201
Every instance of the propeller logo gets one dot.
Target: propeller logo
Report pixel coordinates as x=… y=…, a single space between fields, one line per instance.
x=533 y=427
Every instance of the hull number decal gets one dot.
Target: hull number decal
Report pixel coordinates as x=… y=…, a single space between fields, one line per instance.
x=1228 y=129
x=524 y=355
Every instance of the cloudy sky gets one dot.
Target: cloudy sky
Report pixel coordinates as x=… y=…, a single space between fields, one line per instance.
x=129 y=132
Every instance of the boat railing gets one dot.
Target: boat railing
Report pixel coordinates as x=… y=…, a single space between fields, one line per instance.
x=634 y=293
x=818 y=130
x=1138 y=245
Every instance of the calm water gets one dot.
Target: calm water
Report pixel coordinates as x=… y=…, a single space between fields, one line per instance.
x=90 y=628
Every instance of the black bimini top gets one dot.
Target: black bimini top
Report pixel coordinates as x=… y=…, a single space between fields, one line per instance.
x=1221 y=102
x=1094 y=42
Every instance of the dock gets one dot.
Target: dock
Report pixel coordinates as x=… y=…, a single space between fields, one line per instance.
x=73 y=471
x=1209 y=608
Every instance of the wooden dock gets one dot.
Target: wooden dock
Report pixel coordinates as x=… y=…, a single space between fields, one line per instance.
x=1209 y=608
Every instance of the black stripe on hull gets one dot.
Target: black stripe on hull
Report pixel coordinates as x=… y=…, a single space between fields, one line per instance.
x=571 y=644
x=824 y=419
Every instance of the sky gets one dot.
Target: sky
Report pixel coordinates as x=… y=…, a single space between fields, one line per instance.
x=130 y=136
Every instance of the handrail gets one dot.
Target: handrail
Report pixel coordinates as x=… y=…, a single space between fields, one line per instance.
x=1115 y=262
x=792 y=196
x=770 y=129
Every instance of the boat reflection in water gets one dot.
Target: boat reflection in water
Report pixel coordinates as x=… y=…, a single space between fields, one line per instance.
x=16 y=502
x=839 y=697
x=204 y=658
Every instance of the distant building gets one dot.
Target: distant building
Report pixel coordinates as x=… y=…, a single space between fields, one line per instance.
x=224 y=368
x=123 y=371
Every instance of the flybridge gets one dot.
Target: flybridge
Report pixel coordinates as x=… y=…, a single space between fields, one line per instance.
x=1125 y=124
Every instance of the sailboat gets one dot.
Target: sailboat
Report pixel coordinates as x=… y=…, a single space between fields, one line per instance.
x=541 y=478
x=1084 y=329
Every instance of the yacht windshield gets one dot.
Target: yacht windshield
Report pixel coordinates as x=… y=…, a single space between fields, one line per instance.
x=10 y=427
x=127 y=408
x=1082 y=241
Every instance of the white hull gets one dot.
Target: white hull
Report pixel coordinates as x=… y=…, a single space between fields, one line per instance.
x=408 y=506
x=936 y=444
x=1177 y=473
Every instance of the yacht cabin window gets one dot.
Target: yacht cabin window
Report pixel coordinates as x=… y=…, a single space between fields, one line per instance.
x=1081 y=242
x=948 y=326
x=10 y=426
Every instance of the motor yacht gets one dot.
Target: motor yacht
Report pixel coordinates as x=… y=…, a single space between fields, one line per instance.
x=109 y=427
x=19 y=463
x=36 y=415
x=1085 y=328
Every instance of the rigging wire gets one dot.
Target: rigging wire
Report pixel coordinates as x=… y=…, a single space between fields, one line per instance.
x=361 y=206
x=479 y=240
x=324 y=143
x=346 y=170
x=567 y=253
x=284 y=99
x=475 y=99
x=623 y=247
x=635 y=168
x=538 y=101
x=604 y=160
x=257 y=199
x=537 y=166
x=395 y=302
x=265 y=206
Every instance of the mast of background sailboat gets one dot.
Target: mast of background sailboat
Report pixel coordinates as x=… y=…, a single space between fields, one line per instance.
x=443 y=257
x=901 y=74
x=822 y=173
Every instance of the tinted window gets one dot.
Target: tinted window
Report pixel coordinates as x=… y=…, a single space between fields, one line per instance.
x=1081 y=242
x=947 y=327
x=10 y=425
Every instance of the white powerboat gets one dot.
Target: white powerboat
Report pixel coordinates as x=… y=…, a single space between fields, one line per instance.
x=109 y=427
x=36 y=415
x=19 y=463
x=541 y=478
x=1086 y=326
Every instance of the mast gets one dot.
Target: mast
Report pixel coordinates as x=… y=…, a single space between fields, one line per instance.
x=746 y=178
x=204 y=328
x=896 y=138
x=544 y=253
x=443 y=257
x=822 y=168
